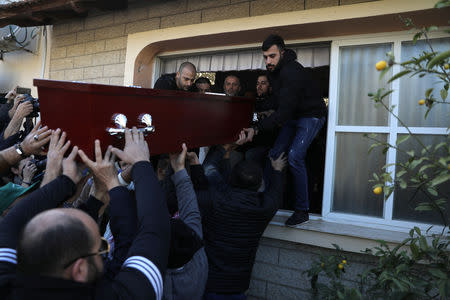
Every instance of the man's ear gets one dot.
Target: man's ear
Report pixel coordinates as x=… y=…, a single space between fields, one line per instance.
x=177 y=75
x=80 y=270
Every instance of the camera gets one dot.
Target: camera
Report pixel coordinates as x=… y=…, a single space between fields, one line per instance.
x=35 y=102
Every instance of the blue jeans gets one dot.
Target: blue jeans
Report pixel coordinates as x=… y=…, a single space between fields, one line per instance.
x=294 y=139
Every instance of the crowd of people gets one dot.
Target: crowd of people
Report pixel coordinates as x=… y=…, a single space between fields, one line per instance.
x=116 y=226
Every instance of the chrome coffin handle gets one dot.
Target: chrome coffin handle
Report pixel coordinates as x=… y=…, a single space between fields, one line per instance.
x=146 y=119
x=121 y=124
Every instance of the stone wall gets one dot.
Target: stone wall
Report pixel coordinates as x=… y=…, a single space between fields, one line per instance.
x=93 y=49
x=279 y=268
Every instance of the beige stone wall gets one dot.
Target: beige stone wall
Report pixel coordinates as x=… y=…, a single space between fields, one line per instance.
x=93 y=49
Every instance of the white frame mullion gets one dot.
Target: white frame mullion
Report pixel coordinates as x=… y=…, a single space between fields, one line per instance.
x=392 y=137
x=330 y=151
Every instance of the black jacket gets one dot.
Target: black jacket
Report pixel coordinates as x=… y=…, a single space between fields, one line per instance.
x=234 y=221
x=166 y=82
x=295 y=92
x=146 y=258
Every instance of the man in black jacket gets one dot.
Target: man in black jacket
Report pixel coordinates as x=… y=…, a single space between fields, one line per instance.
x=234 y=219
x=183 y=80
x=301 y=114
x=72 y=268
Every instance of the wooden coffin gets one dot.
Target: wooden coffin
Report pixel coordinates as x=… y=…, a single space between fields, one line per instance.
x=85 y=111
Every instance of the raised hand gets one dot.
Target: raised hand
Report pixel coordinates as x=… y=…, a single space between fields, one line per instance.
x=136 y=148
x=192 y=158
x=28 y=172
x=70 y=168
x=177 y=159
x=36 y=139
x=103 y=169
x=280 y=163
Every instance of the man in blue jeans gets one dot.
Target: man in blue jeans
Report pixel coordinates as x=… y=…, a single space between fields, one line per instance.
x=301 y=113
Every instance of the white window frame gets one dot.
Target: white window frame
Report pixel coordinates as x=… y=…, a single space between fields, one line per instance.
x=392 y=130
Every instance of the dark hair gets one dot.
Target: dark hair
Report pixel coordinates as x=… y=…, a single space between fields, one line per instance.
x=45 y=252
x=203 y=80
x=246 y=175
x=271 y=40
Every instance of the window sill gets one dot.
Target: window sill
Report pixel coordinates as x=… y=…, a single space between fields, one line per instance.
x=321 y=233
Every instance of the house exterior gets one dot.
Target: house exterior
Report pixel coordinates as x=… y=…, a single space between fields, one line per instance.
x=135 y=45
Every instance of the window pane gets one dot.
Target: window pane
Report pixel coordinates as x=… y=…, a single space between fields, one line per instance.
x=413 y=89
x=405 y=201
x=354 y=167
x=357 y=78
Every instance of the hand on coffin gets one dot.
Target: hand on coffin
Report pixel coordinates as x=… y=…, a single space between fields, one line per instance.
x=136 y=148
x=56 y=150
x=242 y=139
x=70 y=168
x=177 y=160
x=280 y=163
x=192 y=158
x=250 y=134
x=35 y=140
x=105 y=173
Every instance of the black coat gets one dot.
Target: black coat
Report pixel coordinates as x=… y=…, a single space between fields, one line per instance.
x=295 y=92
x=166 y=82
x=234 y=220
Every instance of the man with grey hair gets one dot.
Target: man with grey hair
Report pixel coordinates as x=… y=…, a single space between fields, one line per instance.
x=232 y=85
x=183 y=80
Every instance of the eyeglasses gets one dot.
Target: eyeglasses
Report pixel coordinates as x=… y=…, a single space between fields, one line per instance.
x=105 y=247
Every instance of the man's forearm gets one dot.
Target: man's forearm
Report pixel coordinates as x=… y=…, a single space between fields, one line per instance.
x=8 y=158
x=13 y=127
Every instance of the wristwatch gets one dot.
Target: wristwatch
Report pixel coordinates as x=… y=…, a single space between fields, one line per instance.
x=20 y=150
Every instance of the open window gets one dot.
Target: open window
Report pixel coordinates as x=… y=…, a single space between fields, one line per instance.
x=247 y=64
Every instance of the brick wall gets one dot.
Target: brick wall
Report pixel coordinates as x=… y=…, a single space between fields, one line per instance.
x=93 y=49
x=279 y=268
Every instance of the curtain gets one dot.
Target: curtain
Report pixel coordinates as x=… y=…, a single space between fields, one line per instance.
x=308 y=56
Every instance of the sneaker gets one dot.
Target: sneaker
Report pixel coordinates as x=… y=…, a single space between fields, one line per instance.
x=297 y=218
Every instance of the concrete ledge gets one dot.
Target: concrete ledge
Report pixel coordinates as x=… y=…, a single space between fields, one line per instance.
x=318 y=232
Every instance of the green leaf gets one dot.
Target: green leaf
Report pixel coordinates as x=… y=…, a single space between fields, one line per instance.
x=414 y=250
x=438 y=146
x=438 y=273
x=424 y=167
x=441 y=57
x=443 y=162
x=424 y=207
x=410 y=153
x=428 y=92
x=440 y=179
x=386 y=94
x=417 y=229
x=402 y=138
x=400 y=173
x=402 y=183
x=398 y=75
x=382 y=73
x=423 y=243
x=432 y=191
x=444 y=94
x=416 y=37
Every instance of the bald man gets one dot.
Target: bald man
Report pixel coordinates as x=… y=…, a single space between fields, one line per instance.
x=59 y=253
x=183 y=80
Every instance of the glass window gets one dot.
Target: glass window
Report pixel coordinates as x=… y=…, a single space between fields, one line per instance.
x=357 y=78
x=413 y=89
x=406 y=200
x=353 y=170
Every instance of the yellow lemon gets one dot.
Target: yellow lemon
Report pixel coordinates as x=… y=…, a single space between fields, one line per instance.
x=322 y=265
x=377 y=190
x=344 y=261
x=446 y=66
x=340 y=266
x=381 y=65
x=421 y=101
